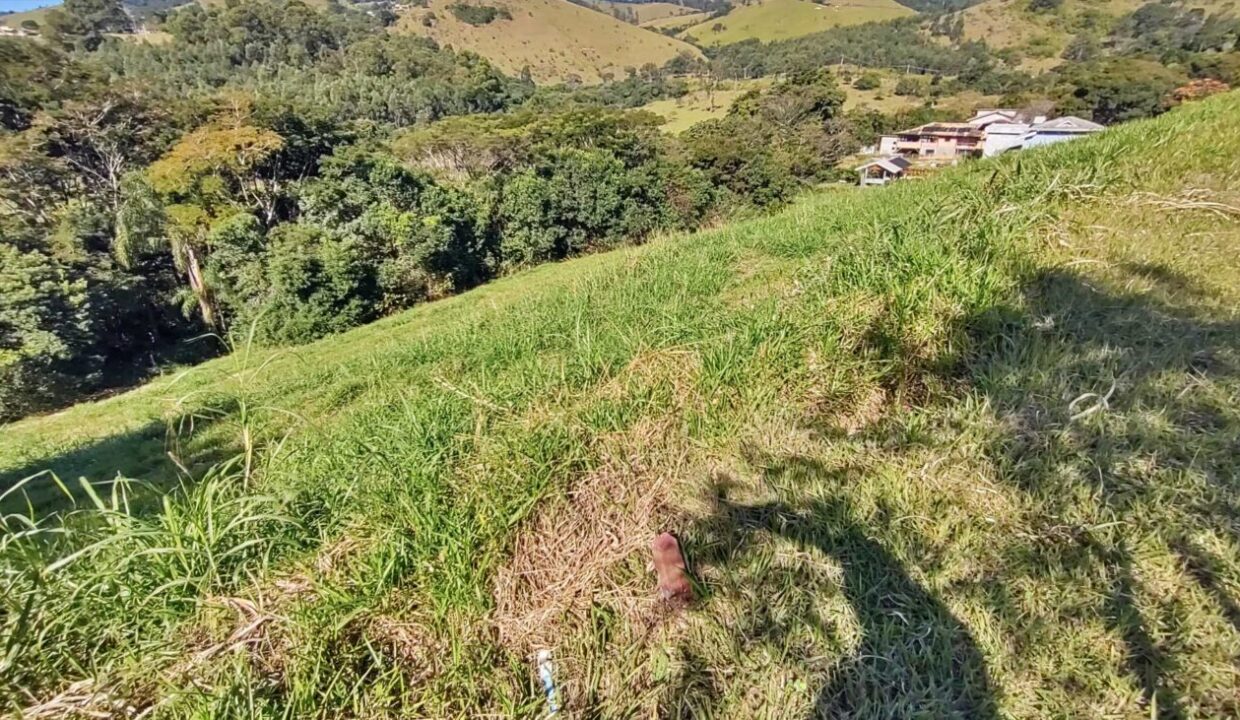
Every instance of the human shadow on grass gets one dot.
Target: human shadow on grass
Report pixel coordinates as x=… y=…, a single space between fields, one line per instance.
x=1116 y=353
x=1102 y=386
x=915 y=658
x=1205 y=569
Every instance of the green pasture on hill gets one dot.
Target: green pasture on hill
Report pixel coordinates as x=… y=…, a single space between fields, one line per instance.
x=961 y=447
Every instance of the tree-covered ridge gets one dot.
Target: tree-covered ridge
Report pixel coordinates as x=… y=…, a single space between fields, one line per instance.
x=282 y=173
x=1118 y=70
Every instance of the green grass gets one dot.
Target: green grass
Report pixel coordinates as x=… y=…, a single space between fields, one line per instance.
x=961 y=447
x=698 y=105
x=769 y=20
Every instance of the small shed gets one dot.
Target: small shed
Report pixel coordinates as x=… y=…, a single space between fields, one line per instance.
x=882 y=170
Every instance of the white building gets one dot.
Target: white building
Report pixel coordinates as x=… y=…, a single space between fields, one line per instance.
x=987 y=117
x=1060 y=129
x=1004 y=136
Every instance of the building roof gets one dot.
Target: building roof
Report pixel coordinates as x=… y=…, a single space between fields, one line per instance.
x=986 y=116
x=1007 y=128
x=983 y=112
x=1067 y=124
x=894 y=164
x=944 y=128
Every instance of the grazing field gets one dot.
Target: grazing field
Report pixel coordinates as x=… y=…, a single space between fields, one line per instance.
x=960 y=447
x=555 y=39
x=683 y=112
x=677 y=22
x=699 y=104
x=884 y=99
x=768 y=20
x=644 y=13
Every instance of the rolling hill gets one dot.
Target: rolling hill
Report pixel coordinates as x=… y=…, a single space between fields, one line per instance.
x=555 y=39
x=642 y=13
x=676 y=22
x=14 y=20
x=960 y=447
x=1040 y=37
x=781 y=19
x=697 y=105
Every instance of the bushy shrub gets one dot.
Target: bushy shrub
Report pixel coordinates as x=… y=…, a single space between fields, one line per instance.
x=478 y=14
x=868 y=81
x=907 y=86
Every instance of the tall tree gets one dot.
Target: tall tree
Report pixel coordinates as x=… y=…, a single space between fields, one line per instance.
x=82 y=24
x=203 y=176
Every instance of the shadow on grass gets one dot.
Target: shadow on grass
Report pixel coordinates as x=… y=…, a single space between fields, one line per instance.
x=157 y=454
x=1205 y=569
x=1117 y=428
x=1084 y=372
x=915 y=658
x=1125 y=398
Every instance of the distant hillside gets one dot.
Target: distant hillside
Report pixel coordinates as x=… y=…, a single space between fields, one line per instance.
x=555 y=39
x=676 y=22
x=639 y=13
x=781 y=19
x=699 y=104
x=14 y=20
x=1041 y=36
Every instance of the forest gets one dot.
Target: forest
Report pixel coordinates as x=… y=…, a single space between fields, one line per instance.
x=275 y=172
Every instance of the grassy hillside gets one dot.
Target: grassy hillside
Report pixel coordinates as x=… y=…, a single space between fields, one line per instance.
x=14 y=20
x=1041 y=37
x=643 y=12
x=781 y=19
x=683 y=112
x=676 y=22
x=555 y=39
x=962 y=447
x=698 y=105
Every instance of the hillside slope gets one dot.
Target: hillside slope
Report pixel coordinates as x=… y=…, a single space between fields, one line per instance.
x=676 y=22
x=15 y=20
x=555 y=39
x=962 y=447
x=1041 y=37
x=768 y=20
x=642 y=13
